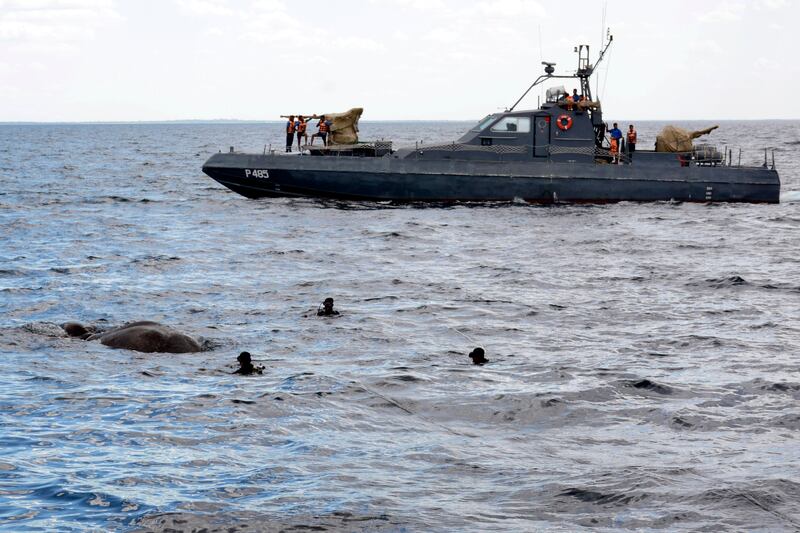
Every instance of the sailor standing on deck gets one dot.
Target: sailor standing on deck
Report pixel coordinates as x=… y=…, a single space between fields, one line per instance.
x=630 y=144
x=290 y=133
x=616 y=140
x=568 y=99
x=300 y=126
x=323 y=127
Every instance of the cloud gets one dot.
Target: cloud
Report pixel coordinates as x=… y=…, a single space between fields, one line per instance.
x=771 y=4
x=357 y=44
x=270 y=22
x=766 y=63
x=53 y=24
x=273 y=26
x=268 y=5
x=206 y=7
x=724 y=12
x=706 y=46
x=31 y=5
x=510 y=8
x=401 y=36
x=416 y=5
x=444 y=35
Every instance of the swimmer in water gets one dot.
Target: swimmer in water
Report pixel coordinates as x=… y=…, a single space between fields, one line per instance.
x=246 y=366
x=478 y=356
x=327 y=308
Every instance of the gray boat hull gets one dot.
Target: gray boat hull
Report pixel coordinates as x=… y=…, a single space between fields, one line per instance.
x=412 y=180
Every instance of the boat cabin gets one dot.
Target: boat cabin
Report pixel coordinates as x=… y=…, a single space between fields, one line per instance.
x=558 y=131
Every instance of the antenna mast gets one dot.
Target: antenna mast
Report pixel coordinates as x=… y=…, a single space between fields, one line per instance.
x=584 y=72
x=586 y=69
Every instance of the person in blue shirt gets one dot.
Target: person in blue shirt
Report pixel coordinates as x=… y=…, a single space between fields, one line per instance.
x=616 y=138
x=290 y=129
x=615 y=143
x=615 y=132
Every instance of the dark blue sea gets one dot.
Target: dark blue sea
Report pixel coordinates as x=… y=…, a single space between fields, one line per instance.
x=643 y=366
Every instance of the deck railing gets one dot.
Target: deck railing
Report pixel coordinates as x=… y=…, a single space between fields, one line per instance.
x=702 y=155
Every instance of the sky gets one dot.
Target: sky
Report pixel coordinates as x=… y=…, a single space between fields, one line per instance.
x=151 y=60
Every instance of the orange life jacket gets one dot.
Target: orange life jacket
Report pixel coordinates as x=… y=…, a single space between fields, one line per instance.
x=301 y=127
x=632 y=137
x=290 y=127
x=323 y=127
x=614 y=146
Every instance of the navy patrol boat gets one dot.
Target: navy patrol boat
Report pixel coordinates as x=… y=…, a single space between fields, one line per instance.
x=555 y=154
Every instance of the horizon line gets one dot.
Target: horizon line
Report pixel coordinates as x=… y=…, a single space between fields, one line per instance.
x=257 y=121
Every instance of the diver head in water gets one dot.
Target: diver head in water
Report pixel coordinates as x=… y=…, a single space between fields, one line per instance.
x=246 y=366
x=478 y=356
x=327 y=308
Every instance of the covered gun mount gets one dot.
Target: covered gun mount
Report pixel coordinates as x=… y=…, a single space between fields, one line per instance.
x=674 y=139
x=344 y=129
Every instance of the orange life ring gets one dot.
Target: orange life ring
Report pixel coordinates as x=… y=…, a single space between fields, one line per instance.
x=564 y=122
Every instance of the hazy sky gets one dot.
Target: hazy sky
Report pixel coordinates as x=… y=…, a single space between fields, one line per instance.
x=109 y=60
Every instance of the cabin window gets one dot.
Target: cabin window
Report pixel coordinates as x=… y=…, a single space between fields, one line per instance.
x=484 y=122
x=513 y=125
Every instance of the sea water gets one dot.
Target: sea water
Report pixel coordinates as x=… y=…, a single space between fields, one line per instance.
x=643 y=357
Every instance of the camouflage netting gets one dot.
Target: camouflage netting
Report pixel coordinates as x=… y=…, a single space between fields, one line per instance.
x=344 y=129
x=674 y=139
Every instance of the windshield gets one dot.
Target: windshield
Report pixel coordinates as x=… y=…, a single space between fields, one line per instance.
x=483 y=123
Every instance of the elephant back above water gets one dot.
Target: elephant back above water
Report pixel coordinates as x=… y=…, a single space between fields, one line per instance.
x=147 y=337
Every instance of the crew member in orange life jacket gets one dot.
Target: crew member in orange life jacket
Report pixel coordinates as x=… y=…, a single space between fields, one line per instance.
x=324 y=126
x=613 y=147
x=300 y=126
x=290 y=133
x=631 y=141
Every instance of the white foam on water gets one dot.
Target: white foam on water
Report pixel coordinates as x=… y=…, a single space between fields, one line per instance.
x=790 y=196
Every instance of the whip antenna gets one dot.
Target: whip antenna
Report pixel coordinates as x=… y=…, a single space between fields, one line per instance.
x=602 y=39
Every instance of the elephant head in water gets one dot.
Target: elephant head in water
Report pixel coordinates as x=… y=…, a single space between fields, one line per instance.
x=674 y=139
x=143 y=336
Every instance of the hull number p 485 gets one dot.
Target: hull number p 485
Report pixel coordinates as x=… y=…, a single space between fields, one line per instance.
x=256 y=173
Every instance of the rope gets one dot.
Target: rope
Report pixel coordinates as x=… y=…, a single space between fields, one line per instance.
x=467 y=337
x=405 y=409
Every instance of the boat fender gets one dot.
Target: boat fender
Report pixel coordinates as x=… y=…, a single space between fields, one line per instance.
x=564 y=122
